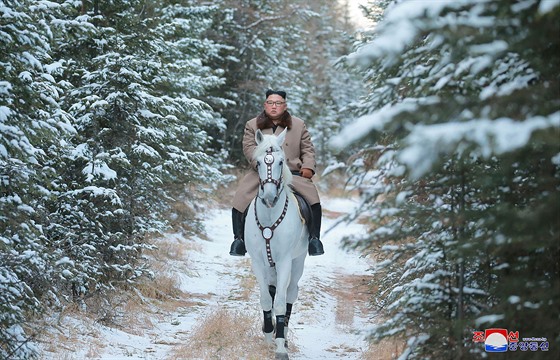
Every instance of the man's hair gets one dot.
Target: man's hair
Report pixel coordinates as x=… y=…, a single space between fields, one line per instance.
x=275 y=92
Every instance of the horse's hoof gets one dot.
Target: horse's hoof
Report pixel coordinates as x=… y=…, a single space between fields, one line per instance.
x=269 y=338
x=281 y=352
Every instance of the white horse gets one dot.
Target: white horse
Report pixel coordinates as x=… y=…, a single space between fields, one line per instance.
x=276 y=238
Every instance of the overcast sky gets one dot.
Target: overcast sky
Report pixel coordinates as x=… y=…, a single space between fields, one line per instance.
x=356 y=13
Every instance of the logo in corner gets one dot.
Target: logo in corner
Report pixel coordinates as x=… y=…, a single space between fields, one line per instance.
x=496 y=340
x=500 y=340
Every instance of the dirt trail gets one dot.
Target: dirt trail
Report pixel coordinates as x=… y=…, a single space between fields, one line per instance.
x=214 y=312
x=327 y=318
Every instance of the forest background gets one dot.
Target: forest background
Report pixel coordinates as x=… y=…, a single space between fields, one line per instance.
x=445 y=115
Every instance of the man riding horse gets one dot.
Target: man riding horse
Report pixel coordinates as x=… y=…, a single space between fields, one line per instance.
x=300 y=158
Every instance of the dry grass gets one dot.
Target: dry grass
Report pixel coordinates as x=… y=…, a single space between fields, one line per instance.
x=163 y=291
x=247 y=282
x=66 y=337
x=132 y=309
x=172 y=249
x=352 y=294
x=384 y=350
x=224 y=334
x=181 y=215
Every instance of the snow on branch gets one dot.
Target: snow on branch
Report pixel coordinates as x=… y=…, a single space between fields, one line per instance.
x=377 y=120
x=426 y=142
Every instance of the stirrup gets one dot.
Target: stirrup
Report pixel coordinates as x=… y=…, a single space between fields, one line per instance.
x=315 y=247
x=237 y=247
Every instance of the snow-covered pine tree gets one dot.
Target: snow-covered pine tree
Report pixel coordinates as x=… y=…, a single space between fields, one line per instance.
x=328 y=89
x=461 y=171
x=190 y=58
x=277 y=44
x=32 y=129
x=133 y=89
x=257 y=36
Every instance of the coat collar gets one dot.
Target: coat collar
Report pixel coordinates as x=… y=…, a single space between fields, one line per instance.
x=264 y=122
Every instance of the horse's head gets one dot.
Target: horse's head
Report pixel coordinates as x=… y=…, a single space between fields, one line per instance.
x=274 y=174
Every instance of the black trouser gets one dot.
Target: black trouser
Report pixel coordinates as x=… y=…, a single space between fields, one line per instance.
x=315 y=224
x=238 y=221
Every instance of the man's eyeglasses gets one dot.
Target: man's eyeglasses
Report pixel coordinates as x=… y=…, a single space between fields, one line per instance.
x=277 y=103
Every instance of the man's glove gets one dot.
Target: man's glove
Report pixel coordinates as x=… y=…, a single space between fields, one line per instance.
x=306 y=173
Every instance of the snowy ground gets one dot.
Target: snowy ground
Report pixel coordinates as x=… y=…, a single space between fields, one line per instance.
x=328 y=320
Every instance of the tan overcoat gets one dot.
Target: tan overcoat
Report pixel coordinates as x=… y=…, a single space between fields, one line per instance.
x=299 y=152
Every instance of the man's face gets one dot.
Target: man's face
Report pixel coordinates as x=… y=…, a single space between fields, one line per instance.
x=275 y=106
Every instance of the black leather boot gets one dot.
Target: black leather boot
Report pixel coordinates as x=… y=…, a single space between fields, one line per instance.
x=315 y=245
x=238 y=222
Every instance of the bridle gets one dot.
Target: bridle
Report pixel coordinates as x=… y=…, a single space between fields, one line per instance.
x=269 y=160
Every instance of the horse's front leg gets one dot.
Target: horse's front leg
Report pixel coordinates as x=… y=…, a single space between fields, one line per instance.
x=293 y=289
x=268 y=327
x=266 y=301
x=283 y=273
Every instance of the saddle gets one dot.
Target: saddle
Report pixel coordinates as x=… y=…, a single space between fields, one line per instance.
x=304 y=207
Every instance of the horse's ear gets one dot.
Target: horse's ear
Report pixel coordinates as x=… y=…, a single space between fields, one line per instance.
x=282 y=137
x=259 y=136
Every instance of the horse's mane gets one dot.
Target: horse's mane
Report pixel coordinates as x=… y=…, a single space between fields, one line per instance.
x=270 y=141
